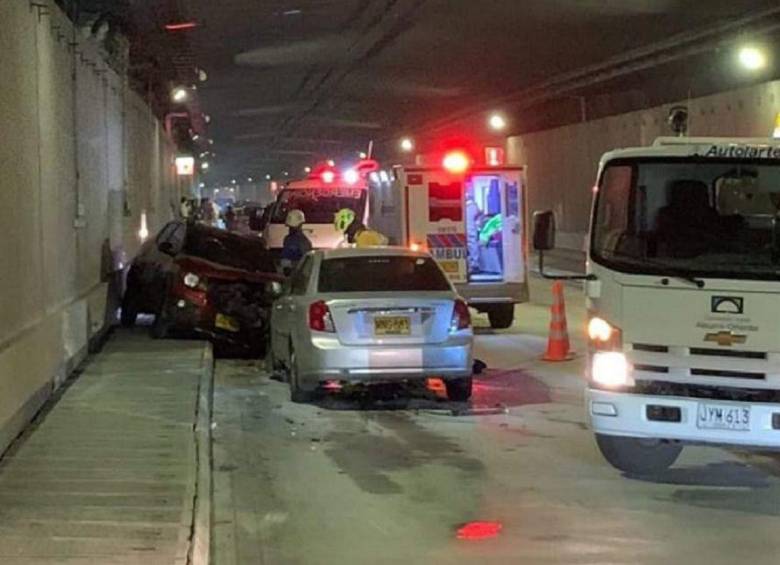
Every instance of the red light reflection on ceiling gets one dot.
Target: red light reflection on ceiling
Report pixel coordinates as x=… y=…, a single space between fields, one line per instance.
x=479 y=530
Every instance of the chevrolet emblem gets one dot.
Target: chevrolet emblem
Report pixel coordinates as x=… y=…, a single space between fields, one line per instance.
x=726 y=338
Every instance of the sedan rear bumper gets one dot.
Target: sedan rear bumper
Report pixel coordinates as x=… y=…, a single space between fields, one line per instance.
x=324 y=358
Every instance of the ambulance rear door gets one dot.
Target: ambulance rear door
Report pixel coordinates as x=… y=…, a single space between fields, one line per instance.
x=435 y=218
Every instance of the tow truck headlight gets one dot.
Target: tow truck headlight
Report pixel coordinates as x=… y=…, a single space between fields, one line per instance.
x=610 y=369
x=191 y=280
x=603 y=336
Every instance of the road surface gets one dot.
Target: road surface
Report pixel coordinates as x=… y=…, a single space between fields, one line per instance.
x=349 y=482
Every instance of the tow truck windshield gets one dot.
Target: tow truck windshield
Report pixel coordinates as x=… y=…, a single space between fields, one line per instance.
x=689 y=218
x=319 y=205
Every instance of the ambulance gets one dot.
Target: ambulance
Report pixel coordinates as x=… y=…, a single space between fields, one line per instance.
x=320 y=196
x=469 y=213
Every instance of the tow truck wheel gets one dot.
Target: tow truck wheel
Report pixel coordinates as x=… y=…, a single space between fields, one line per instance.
x=501 y=316
x=638 y=456
x=458 y=390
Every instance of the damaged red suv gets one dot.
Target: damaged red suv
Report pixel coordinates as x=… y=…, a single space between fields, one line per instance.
x=203 y=280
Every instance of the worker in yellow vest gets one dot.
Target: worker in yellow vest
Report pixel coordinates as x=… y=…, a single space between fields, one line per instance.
x=361 y=236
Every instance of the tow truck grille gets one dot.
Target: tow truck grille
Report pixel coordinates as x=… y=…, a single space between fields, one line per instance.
x=697 y=366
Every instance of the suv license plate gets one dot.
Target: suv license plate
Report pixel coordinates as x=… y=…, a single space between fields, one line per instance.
x=393 y=325
x=723 y=417
x=227 y=323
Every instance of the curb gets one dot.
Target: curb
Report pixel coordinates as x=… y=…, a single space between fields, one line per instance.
x=200 y=543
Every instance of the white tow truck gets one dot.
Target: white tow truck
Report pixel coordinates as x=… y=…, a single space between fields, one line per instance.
x=470 y=215
x=683 y=295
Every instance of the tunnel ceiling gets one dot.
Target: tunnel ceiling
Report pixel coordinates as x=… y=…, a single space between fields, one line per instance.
x=294 y=81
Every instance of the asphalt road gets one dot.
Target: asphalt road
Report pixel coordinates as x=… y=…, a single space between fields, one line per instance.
x=355 y=482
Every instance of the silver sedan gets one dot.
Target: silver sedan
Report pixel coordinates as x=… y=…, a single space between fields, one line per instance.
x=367 y=316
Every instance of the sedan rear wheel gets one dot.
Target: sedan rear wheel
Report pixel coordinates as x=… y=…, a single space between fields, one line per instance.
x=297 y=394
x=459 y=390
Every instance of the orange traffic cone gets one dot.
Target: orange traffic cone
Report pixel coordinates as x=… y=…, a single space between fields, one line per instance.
x=558 y=348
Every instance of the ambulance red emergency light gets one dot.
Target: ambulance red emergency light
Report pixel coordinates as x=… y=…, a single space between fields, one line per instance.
x=324 y=192
x=468 y=211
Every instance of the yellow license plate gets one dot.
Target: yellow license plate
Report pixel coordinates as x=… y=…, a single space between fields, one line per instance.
x=226 y=323
x=450 y=267
x=393 y=325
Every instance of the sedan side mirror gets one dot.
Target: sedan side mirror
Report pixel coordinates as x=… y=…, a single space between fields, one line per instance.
x=276 y=289
x=544 y=231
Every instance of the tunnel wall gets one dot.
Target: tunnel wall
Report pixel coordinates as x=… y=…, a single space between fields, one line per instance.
x=81 y=158
x=563 y=162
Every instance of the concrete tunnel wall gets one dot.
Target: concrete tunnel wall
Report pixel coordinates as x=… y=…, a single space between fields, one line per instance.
x=563 y=162
x=80 y=159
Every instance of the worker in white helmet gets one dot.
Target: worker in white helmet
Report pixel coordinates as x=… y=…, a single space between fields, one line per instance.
x=295 y=244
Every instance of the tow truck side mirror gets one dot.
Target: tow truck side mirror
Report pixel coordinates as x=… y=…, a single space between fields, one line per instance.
x=544 y=231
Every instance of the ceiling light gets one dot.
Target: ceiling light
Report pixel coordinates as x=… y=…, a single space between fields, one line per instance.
x=307 y=170
x=407 y=144
x=267 y=177
x=752 y=58
x=363 y=155
x=204 y=166
x=497 y=122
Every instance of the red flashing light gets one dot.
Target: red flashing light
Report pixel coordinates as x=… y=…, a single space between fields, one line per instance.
x=479 y=530
x=181 y=26
x=328 y=177
x=351 y=176
x=456 y=162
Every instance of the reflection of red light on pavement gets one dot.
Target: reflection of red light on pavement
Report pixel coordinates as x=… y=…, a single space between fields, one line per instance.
x=332 y=386
x=479 y=530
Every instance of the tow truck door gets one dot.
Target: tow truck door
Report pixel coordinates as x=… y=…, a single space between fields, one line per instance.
x=435 y=218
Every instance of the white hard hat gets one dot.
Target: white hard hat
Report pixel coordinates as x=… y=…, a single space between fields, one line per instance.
x=295 y=219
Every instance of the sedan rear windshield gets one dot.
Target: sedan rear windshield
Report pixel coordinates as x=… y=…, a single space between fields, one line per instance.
x=381 y=274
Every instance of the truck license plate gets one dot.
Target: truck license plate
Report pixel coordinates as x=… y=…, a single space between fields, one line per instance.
x=393 y=325
x=723 y=417
x=228 y=323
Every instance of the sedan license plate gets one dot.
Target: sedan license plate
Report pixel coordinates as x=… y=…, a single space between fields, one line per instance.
x=393 y=325
x=723 y=417
x=228 y=323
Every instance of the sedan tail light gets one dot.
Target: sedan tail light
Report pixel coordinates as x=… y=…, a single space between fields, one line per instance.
x=461 y=317
x=320 y=319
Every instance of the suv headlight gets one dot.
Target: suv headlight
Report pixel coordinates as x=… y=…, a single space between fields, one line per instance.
x=191 y=280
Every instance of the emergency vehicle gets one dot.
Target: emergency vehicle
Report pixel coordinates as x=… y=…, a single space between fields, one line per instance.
x=682 y=294
x=470 y=215
x=320 y=196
